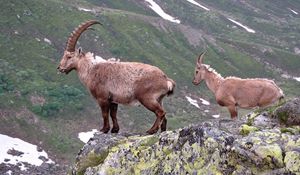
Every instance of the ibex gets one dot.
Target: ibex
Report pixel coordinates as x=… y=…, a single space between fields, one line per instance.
x=233 y=92
x=115 y=82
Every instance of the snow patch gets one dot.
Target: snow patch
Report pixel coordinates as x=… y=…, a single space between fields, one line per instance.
x=192 y=101
x=285 y=76
x=241 y=25
x=296 y=78
x=47 y=41
x=84 y=9
x=207 y=111
x=30 y=153
x=85 y=136
x=290 y=77
x=199 y=5
x=216 y=116
x=293 y=11
x=205 y=102
x=157 y=9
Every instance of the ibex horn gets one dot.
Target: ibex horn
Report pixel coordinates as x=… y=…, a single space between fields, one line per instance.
x=200 y=58
x=77 y=32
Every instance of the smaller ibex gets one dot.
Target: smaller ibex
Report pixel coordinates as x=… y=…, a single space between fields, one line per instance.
x=232 y=91
x=113 y=82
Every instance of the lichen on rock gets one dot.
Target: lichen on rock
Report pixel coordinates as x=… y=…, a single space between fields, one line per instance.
x=197 y=149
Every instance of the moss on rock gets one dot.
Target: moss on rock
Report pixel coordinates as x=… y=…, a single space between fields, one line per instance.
x=246 y=129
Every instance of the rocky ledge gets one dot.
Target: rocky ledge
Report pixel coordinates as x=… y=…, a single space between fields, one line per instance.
x=265 y=142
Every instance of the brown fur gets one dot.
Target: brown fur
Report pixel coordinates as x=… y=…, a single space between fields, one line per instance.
x=232 y=91
x=114 y=82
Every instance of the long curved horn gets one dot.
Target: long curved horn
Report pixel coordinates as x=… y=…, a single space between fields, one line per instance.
x=200 y=58
x=77 y=32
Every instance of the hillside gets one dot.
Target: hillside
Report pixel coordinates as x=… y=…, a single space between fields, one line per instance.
x=49 y=110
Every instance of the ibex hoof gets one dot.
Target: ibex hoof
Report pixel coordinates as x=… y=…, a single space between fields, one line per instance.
x=104 y=130
x=163 y=129
x=114 y=130
x=152 y=131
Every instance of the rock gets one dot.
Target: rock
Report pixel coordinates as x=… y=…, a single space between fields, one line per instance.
x=289 y=113
x=39 y=149
x=292 y=161
x=193 y=150
x=213 y=147
x=14 y=152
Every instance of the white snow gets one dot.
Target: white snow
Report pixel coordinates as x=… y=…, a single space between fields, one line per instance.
x=84 y=9
x=9 y=172
x=296 y=78
x=47 y=40
x=157 y=9
x=85 y=136
x=31 y=155
x=206 y=111
x=205 y=102
x=241 y=25
x=192 y=101
x=216 y=116
x=290 y=77
x=199 y=5
x=296 y=13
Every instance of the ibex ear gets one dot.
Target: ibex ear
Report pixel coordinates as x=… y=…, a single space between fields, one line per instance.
x=200 y=58
x=79 y=50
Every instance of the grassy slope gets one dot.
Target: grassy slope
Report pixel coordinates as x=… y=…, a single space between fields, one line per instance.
x=28 y=64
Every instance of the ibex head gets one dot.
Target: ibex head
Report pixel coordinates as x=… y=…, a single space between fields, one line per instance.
x=200 y=70
x=72 y=55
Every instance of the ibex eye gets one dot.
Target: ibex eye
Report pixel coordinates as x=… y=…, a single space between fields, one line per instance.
x=196 y=72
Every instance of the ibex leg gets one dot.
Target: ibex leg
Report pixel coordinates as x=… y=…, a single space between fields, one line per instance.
x=233 y=111
x=163 y=126
x=154 y=106
x=105 y=115
x=113 y=114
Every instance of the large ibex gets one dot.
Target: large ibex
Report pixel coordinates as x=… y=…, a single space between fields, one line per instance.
x=232 y=91
x=114 y=82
